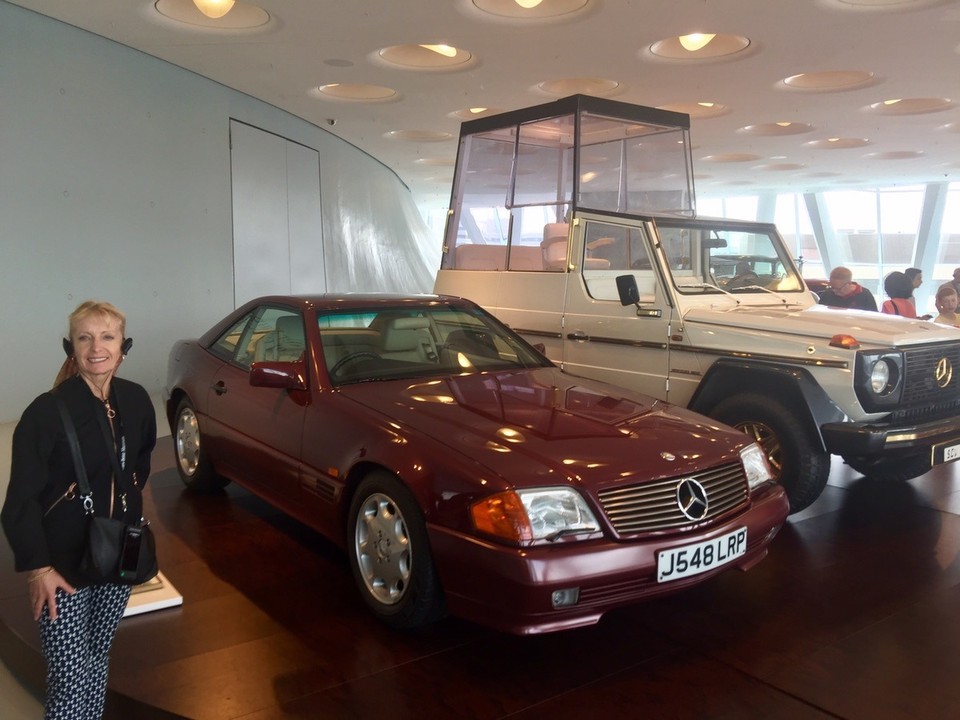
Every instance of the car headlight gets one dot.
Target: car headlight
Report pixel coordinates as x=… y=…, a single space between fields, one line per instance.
x=523 y=516
x=879 y=380
x=755 y=465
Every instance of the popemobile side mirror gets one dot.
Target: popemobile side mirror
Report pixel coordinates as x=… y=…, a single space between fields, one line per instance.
x=627 y=290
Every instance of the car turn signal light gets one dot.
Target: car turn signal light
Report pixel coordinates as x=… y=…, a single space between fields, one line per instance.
x=847 y=342
x=504 y=516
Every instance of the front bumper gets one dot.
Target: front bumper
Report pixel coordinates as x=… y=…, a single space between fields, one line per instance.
x=511 y=588
x=871 y=439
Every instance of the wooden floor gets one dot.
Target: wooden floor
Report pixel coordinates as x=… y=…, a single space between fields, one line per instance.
x=854 y=614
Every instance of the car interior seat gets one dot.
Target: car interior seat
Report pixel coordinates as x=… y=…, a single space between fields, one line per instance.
x=408 y=338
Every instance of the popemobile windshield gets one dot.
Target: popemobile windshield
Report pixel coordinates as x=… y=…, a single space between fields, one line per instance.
x=574 y=222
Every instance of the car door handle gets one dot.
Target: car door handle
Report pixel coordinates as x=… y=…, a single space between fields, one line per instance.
x=219 y=388
x=579 y=335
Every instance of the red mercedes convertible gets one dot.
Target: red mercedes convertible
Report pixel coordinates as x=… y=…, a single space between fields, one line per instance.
x=460 y=469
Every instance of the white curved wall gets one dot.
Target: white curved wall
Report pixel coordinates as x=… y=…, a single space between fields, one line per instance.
x=115 y=184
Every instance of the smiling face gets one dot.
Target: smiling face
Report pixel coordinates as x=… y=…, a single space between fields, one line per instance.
x=96 y=345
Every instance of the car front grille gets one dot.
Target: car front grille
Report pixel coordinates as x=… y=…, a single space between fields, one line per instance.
x=653 y=506
x=921 y=390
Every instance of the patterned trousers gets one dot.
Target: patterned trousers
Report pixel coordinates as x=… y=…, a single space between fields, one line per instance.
x=77 y=650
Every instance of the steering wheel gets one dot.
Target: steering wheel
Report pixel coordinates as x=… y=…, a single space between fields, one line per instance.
x=352 y=357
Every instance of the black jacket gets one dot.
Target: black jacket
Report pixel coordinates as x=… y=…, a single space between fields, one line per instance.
x=43 y=524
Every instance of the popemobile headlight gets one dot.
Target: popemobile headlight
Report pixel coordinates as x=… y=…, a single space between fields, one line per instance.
x=521 y=516
x=879 y=380
x=755 y=465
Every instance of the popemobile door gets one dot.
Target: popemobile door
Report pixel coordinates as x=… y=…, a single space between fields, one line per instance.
x=602 y=339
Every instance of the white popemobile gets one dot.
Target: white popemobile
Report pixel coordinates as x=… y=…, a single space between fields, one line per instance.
x=574 y=223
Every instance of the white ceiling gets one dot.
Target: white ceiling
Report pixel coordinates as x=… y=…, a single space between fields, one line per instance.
x=912 y=48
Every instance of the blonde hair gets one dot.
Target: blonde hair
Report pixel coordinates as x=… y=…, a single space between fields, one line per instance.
x=105 y=310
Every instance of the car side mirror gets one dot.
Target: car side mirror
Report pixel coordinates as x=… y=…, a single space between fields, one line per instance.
x=280 y=375
x=630 y=295
x=627 y=290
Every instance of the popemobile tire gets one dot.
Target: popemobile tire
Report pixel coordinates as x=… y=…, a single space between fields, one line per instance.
x=194 y=466
x=891 y=469
x=390 y=554
x=798 y=462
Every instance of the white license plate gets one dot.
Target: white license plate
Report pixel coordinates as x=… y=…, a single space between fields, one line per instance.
x=690 y=560
x=951 y=453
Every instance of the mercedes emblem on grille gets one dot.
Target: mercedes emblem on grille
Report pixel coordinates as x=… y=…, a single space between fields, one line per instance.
x=944 y=372
x=692 y=499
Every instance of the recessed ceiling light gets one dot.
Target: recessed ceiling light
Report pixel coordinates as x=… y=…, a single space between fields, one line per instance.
x=575 y=86
x=357 y=92
x=732 y=157
x=776 y=128
x=241 y=16
x=474 y=113
x=838 y=143
x=418 y=135
x=425 y=57
x=699 y=46
x=829 y=80
x=895 y=155
x=526 y=10
x=779 y=167
x=698 y=109
x=910 y=106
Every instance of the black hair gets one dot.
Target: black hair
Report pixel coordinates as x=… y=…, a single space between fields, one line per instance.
x=898 y=285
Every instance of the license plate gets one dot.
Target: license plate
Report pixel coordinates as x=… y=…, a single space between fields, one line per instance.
x=690 y=560
x=948 y=452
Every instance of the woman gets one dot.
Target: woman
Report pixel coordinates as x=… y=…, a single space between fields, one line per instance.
x=899 y=288
x=43 y=516
x=947 y=306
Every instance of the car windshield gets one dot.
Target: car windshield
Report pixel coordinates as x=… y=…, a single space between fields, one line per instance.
x=401 y=342
x=704 y=259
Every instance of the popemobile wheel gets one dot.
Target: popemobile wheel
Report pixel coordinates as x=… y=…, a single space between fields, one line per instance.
x=798 y=463
x=194 y=466
x=390 y=554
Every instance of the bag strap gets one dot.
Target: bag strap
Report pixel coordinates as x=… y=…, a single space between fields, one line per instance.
x=85 y=493
x=108 y=438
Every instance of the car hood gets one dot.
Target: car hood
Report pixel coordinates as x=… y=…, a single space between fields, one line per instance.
x=869 y=328
x=547 y=427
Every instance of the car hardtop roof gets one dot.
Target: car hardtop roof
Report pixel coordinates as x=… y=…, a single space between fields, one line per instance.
x=341 y=301
x=575 y=104
x=335 y=301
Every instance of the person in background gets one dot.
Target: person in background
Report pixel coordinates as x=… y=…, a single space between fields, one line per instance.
x=956 y=280
x=916 y=277
x=44 y=517
x=947 y=305
x=899 y=288
x=843 y=292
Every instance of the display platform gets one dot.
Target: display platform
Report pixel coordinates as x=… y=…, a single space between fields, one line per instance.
x=854 y=614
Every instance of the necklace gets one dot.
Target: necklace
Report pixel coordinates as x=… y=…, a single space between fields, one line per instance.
x=111 y=413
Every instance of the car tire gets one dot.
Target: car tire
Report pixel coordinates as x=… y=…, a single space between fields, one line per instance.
x=194 y=466
x=798 y=463
x=390 y=554
x=889 y=469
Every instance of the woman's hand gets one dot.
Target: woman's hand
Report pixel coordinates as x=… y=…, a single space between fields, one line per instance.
x=43 y=584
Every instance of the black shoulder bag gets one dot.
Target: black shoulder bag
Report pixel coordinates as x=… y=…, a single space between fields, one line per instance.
x=116 y=552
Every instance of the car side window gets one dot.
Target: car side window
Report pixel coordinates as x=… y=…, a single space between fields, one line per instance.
x=612 y=250
x=276 y=336
x=227 y=344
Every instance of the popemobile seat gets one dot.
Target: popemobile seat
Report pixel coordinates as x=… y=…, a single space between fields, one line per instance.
x=554 y=246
